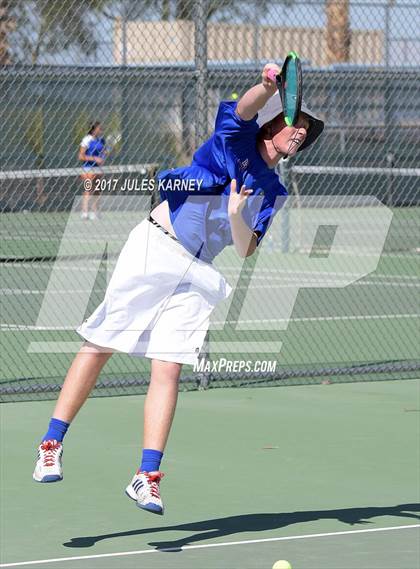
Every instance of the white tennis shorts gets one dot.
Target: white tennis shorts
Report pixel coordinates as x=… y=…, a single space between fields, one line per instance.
x=158 y=301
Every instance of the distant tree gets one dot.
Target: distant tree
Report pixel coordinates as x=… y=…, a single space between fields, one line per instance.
x=185 y=9
x=46 y=26
x=7 y=25
x=338 y=31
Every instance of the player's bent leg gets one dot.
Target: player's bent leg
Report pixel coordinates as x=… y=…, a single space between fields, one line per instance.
x=159 y=409
x=160 y=403
x=79 y=382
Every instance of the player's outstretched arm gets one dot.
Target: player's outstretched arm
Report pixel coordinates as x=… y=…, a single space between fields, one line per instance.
x=244 y=238
x=256 y=97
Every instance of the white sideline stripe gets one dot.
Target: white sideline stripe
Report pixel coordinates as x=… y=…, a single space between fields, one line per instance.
x=319 y=319
x=121 y=239
x=322 y=283
x=208 y=545
x=24 y=291
x=77 y=263
x=5 y=326
x=308 y=284
x=309 y=272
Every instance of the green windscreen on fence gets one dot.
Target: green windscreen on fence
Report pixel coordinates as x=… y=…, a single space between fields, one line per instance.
x=314 y=304
x=44 y=238
x=331 y=293
x=356 y=313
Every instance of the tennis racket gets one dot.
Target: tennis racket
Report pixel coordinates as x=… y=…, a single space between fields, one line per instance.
x=111 y=141
x=289 y=84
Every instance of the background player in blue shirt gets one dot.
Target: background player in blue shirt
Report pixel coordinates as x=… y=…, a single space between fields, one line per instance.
x=164 y=287
x=92 y=154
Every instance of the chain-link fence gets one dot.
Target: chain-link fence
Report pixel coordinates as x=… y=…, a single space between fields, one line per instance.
x=153 y=72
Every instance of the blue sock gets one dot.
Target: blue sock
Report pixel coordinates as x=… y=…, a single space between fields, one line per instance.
x=150 y=460
x=56 y=430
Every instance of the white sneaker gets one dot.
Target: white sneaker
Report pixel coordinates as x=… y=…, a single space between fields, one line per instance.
x=84 y=215
x=48 y=467
x=92 y=216
x=144 y=489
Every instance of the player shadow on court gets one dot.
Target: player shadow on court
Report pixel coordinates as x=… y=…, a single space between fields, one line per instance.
x=248 y=523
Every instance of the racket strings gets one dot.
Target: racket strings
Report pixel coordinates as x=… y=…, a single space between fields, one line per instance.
x=296 y=139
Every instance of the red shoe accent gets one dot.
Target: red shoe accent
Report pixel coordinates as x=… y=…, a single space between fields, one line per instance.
x=50 y=448
x=153 y=479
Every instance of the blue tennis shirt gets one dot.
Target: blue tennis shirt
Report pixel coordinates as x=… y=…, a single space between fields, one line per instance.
x=199 y=216
x=93 y=147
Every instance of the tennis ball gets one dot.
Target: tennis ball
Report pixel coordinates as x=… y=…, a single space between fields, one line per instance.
x=235 y=96
x=282 y=564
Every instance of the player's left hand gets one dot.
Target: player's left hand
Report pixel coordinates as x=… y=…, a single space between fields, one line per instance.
x=237 y=200
x=268 y=76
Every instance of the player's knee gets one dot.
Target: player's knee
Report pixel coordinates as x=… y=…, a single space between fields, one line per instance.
x=163 y=371
x=89 y=348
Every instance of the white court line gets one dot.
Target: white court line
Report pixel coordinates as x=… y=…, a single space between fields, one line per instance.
x=120 y=239
x=319 y=319
x=30 y=327
x=208 y=545
x=24 y=291
x=309 y=272
x=320 y=283
x=235 y=269
x=252 y=287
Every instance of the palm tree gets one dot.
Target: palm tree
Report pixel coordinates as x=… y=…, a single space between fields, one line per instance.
x=61 y=24
x=7 y=24
x=338 y=31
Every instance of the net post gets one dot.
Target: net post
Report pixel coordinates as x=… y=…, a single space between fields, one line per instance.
x=204 y=377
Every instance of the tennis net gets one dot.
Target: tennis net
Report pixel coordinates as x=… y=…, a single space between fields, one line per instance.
x=35 y=205
x=397 y=188
x=355 y=320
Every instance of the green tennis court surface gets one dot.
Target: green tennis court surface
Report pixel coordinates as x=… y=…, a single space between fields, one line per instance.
x=323 y=476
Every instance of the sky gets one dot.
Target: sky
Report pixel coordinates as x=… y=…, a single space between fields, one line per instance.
x=404 y=27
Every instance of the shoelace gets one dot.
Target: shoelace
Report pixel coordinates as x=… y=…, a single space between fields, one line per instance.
x=50 y=449
x=153 y=480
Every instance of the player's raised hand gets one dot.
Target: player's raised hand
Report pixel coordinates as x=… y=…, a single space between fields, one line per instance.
x=269 y=76
x=237 y=200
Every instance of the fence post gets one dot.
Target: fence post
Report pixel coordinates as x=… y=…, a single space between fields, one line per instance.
x=200 y=56
x=284 y=167
x=124 y=18
x=390 y=179
x=388 y=6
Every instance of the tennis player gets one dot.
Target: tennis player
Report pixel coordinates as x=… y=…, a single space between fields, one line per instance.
x=91 y=153
x=164 y=287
